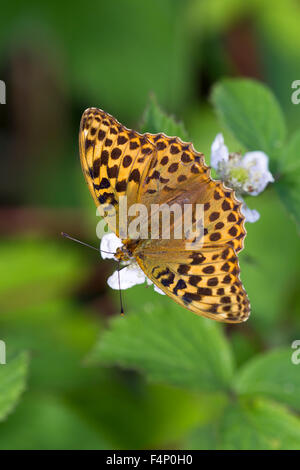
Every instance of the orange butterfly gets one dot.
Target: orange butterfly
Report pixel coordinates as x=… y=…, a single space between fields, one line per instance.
x=156 y=169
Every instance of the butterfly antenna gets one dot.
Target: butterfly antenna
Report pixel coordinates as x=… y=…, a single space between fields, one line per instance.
x=121 y=302
x=63 y=234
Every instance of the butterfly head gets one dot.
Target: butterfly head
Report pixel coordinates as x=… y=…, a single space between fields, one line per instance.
x=126 y=251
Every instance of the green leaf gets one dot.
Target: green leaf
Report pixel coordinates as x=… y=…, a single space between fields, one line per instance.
x=272 y=292
x=46 y=422
x=259 y=425
x=57 y=332
x=271 y=375
x=288 y=185
x=243 y=347
x=12 y=383
x=205 y=435
x=168 y=344
x=156 y=121
x=290 y=161
x=252 y=114
x=202 y=438
x=160 y=415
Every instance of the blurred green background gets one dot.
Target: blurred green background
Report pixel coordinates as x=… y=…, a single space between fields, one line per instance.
x=78 y=376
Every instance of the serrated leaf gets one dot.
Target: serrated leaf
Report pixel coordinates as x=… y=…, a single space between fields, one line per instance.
x=288 y=185
x=170 y=345
x=205 y=435
x=251 y=112
x=156 y=121
x=12 y=383
x=259 y=425
x=202 y=438
x=271 y=375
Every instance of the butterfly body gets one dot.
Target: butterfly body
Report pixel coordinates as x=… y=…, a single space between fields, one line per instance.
x=156 y=170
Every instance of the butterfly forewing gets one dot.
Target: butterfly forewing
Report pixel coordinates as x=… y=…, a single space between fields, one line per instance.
x=115 y=160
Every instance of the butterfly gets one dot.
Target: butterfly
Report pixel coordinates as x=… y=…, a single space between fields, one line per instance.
x=157 y=169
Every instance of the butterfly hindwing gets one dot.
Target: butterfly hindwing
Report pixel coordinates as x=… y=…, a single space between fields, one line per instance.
x=206 y=282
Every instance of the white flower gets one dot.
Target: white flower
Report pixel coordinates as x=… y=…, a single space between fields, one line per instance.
x=247 y=175
x=157 y=289
x=131 y=275
x=251 y=215
x=256 y=163
x=219 y=151
x=109 y=245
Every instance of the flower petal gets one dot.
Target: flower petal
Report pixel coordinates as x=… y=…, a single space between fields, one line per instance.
x=219 y=151
x=158 y=290
x=251 y=215
x=256 y=158
x=149 y=282
x=259 y=175
x=129 y=276
x=110 y=243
